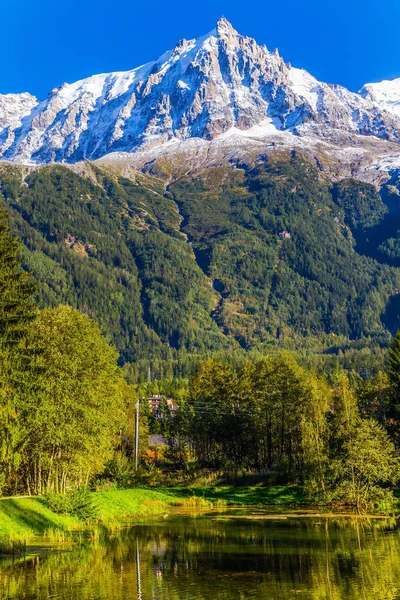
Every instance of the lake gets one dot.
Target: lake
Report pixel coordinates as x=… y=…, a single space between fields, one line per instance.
x=219 y=556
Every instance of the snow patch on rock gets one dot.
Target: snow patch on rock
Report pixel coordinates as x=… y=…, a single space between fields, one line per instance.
x=384 y=93
x=222 y=85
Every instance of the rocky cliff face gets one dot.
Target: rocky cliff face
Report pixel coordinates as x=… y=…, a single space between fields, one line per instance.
x=385 y=94
x=201 y=89
x=13 y=109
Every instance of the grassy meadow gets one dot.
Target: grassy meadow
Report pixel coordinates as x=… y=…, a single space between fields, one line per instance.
x=23 y=519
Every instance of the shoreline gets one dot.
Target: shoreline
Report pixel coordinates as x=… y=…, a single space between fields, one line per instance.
x=27 y=521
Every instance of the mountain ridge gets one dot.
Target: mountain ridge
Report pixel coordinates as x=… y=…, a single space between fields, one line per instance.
x=201 y=89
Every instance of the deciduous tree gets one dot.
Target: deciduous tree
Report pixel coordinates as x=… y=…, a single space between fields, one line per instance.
x=72 y=417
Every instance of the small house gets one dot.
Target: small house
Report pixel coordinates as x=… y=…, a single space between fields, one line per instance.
x=155 y=404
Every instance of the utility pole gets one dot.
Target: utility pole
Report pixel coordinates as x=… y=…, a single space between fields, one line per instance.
x=136 y=435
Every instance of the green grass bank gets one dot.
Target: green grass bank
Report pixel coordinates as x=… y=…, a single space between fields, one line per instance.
x=22 y=519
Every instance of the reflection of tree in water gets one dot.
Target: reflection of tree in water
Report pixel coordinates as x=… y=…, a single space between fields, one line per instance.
x=220 y=559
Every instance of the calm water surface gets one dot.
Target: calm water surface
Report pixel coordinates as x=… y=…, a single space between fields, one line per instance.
x=219 y=557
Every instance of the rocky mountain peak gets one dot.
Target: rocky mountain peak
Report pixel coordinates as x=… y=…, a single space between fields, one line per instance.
x=202 y=88
x=225 y=29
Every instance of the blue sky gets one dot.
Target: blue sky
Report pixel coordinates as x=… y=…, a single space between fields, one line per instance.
x=46 y=42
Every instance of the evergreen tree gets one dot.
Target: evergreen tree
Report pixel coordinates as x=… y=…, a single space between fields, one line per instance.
x=17 y=310
x=393 y=364
x=393 y=371
x=17 y=305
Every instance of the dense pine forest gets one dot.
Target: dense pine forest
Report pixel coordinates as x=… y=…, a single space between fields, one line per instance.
x=225 y=262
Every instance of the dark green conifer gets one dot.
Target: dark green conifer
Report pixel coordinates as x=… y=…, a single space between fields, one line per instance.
x=17 y=304
x=393 y=372
x=393 y=365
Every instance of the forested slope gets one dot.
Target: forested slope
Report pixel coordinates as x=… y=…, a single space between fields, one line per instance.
x=309 y=280
x=224 y=277
x=113 y=249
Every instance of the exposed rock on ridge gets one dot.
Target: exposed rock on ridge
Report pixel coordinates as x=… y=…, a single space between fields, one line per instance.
x=201 y=89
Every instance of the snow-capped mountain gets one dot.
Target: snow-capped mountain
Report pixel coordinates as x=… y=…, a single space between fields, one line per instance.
x=13 y=109
x=386 y=94
x=200 y=89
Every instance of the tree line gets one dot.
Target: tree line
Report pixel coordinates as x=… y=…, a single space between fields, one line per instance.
x=339 y=439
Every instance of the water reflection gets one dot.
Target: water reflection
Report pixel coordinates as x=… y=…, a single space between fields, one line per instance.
x=212 y=557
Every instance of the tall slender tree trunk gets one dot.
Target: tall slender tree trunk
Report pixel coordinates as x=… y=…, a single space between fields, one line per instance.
x=269 y=442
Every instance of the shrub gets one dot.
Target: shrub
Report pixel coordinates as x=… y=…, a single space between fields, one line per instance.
x=120 y=470
x=77 y=503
